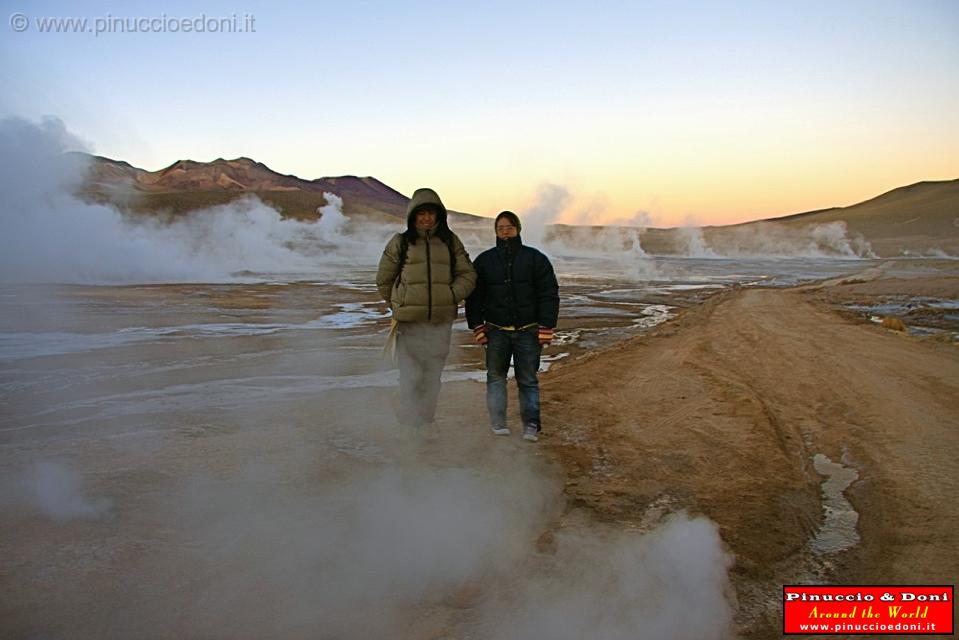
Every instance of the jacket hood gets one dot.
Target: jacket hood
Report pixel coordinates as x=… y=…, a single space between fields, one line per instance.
x=426 y=197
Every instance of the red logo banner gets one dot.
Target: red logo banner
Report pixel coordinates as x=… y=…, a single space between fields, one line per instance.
x=868 y=609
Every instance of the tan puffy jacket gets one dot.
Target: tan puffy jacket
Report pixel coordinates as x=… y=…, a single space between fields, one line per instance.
x=425 y=291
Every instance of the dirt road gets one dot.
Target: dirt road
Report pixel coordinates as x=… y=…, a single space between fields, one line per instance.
x=722 y=413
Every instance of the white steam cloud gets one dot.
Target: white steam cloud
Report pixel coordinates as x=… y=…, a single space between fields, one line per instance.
x=356 y=558
x=641 y=219
x=773 y=240
x=550 y=202
x=51 y=236
x=621 y=245
x=405 y=540
x=621 y=239
x=57 y=492
x=619 y=242
x=668 y=583
x=693 y=243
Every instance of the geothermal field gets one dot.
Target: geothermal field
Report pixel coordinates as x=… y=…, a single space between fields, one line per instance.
x=197 y=436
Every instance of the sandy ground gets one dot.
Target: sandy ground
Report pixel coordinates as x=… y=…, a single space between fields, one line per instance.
x=722 y=411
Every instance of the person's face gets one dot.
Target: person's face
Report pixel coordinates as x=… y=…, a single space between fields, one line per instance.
x=425 y=219
x=505 y=229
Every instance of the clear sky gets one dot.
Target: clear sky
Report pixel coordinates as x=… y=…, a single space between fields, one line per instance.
x=688 y=112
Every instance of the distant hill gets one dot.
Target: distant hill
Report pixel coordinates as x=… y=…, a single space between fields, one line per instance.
x=920 y=217
x=187 y=185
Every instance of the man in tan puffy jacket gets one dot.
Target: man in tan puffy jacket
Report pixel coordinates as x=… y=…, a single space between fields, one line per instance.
x=423 y=275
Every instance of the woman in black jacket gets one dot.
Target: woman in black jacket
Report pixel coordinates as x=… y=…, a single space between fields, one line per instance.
x=513 y=311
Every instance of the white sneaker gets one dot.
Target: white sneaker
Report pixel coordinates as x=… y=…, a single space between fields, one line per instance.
x=530 y=433
x=501 y=431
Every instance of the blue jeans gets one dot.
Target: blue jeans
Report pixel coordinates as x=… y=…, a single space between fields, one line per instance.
x=524 y=348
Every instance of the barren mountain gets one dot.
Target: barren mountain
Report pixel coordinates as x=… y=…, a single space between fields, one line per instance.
x=919 y=218
x=187 y=185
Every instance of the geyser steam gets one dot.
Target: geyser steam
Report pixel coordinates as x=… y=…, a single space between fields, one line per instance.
x=52 y=236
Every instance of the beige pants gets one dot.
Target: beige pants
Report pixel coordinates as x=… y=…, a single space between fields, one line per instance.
x=421 y=351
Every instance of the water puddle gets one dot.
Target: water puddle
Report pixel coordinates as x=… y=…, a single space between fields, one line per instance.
x=653 y=315
x=838 y=531
x=922 y=315
x=350 y=316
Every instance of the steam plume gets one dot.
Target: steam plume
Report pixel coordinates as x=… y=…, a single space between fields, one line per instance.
x=51 y=236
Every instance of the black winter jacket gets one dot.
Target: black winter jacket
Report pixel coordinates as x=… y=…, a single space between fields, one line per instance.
x=515 y=286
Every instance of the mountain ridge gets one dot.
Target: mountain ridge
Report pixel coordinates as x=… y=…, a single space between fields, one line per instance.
x=186 y=185
x=922 y=215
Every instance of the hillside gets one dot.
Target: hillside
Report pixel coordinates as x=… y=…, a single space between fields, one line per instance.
x=919 y=218
x=925 y=213
x=186 y=185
